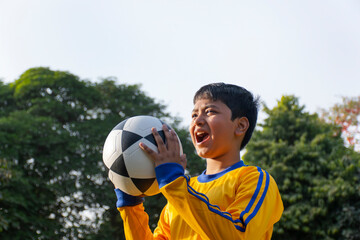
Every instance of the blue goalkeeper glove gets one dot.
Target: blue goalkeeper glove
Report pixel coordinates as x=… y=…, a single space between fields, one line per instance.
x=124 y=199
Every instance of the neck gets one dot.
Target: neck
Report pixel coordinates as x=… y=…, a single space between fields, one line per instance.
x=214 y=166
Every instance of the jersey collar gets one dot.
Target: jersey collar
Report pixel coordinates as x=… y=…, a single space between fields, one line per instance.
x=207 y=178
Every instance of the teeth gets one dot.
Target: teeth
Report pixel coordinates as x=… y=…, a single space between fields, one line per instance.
x=200 y=136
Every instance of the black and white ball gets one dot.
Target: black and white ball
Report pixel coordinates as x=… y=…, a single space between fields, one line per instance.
x=129 y=168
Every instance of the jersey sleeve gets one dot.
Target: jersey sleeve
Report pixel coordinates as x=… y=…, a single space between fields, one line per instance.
x=136 y=224
x=257 y=205
x=136 y=220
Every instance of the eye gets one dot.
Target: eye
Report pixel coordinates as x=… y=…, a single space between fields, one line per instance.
x=210 y=111
x=194 y=115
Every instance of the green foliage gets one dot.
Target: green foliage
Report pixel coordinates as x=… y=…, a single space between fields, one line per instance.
x=317 y=176
x=52 y=129
x=5 y=176
x=6 y=99
x=347 y=116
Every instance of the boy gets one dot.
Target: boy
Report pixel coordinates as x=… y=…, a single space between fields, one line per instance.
x=229 y=200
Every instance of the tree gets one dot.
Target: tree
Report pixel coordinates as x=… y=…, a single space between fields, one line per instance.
x=347 y=116
x=5 y=175
x=36 y=140
x=318 y=177
x=52 y=129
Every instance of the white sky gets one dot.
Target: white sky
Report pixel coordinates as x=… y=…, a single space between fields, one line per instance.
x=307 y=48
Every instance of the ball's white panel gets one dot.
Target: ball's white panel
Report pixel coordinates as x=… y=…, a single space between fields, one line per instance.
x=153 y=190
x=142 y=125
x=181 y=149
x=112 y=147
x=138 y=163
x=110 y=175
x=124 y=184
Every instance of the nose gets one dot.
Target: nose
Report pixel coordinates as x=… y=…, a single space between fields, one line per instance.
x=199 y=120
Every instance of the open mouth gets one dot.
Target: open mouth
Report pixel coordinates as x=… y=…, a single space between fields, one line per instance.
x=201 y=137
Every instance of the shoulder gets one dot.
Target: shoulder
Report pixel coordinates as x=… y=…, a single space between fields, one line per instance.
x=256 y=178
x=258 y=189
x=255 y=185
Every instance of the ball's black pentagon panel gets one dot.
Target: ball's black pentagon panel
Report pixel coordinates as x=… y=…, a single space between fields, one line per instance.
x=119 y=166
x=165 y=124
x=120 y=126
x=151 y=138
x=143 y=184
x=128 y=139
x=106 y=169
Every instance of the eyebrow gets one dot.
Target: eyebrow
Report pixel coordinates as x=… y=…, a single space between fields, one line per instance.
x=206 y=107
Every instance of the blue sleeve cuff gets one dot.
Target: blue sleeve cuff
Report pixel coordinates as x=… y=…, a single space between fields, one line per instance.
x=124 y=199
x=168 y=172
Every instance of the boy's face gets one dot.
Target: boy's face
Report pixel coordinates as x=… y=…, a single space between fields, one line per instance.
x=212 y=130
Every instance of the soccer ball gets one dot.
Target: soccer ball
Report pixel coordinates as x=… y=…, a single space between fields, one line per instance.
x=129 y=168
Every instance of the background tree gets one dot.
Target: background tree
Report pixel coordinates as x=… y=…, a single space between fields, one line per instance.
x=347 y=115
x=5 y=175
x=52 y=129
x=318 y=177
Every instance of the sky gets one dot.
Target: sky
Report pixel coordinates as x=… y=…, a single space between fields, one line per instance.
x=310 y=49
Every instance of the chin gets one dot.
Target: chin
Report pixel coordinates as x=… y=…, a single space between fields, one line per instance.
x=203 y=154
x=200 y=153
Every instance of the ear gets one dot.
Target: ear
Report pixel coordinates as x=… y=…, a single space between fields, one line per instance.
x=242 y=125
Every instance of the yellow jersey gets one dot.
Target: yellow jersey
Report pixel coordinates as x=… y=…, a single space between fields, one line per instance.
x=241 y=202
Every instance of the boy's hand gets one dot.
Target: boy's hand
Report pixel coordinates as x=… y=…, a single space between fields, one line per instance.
x=167 y=153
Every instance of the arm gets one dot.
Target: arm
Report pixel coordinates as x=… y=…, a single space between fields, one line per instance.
x=135 y=219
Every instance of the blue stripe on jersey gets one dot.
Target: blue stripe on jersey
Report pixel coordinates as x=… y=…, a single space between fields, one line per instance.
x=215 y=208
x=261 y=200
x=254 y=196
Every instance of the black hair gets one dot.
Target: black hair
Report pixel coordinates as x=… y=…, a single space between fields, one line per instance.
x=241 y=102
